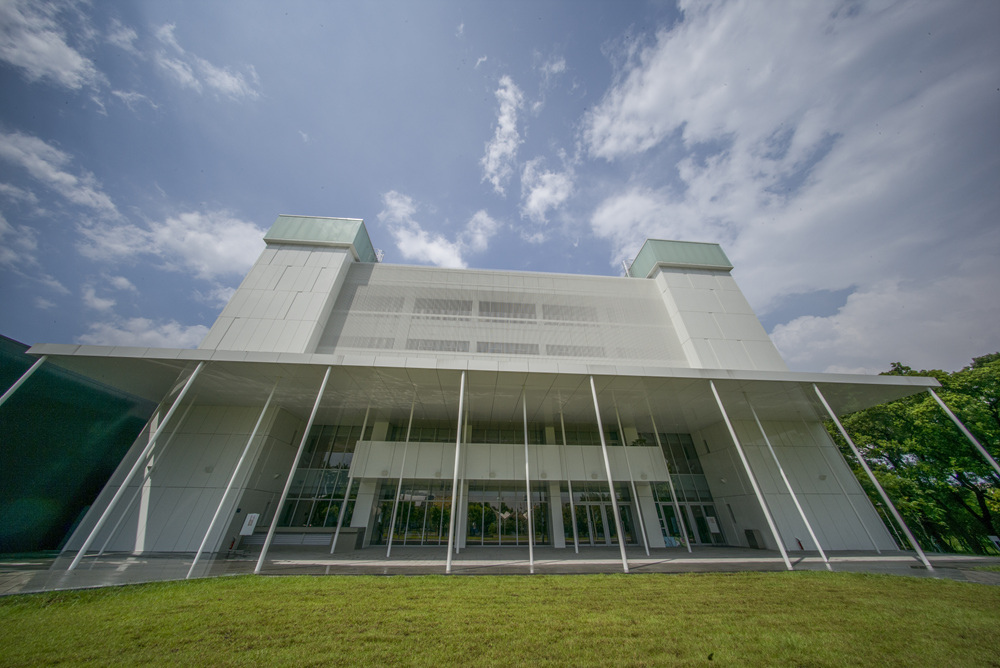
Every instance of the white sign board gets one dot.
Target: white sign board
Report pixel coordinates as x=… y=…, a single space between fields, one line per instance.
x=713 y=526
x=250 y=524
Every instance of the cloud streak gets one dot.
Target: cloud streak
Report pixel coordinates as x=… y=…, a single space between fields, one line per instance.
x=501 y=151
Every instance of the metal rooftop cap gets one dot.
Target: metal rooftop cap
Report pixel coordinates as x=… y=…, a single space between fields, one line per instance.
x=316 y=231
x=687 y=254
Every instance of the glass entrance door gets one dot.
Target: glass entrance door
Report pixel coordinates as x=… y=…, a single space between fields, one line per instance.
x=700 y=520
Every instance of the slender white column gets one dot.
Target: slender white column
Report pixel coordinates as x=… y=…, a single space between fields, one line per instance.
x=611 y=483
x=232 y=479
x=20 y=381
x=968 y=434
x=135 y=468
x=631 y=480
x=753 y=480
x=788 y=485
x=399 y=484
x=138 y=490
x=462 y=494
x=569 y=483
x=347 y=492
x=291 y=473
x=454 y=479
x=874 y=480
x=670 y=481
x=527 y=484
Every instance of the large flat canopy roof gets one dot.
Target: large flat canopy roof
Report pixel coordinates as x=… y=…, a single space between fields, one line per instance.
x=680 y=399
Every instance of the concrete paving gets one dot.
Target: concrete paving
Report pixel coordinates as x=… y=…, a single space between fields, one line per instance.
x=46 y=574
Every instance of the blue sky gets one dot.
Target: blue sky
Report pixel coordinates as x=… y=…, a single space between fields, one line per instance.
x=845 y=155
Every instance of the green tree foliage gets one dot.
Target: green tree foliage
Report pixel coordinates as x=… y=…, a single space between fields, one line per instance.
x=947 y=493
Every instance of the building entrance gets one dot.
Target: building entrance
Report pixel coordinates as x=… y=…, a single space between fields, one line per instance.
x=497 y=514
x=595 y=524
x=700 y=520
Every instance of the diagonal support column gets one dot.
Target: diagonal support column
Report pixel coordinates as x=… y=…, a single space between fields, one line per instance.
x=347 y=493
x=968 y=434
x=454 y=479
x=670 y=481
x=135 y=467
x=788 y=485
x=874 y=480
x=20 y=381
x=291 y=473
x=569 y=483
x=631 y=479
x=232 y=479
x=611 y=482
x=399 y=484
x=149 y=470
x=527 y=484
x=753 y=479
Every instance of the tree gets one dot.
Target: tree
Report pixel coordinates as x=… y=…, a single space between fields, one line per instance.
x=947 y=493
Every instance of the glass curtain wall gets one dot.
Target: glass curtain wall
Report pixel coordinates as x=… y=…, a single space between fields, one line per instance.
x=422 y=514
x=320 y=481
x=497 y=514
x=595 y=519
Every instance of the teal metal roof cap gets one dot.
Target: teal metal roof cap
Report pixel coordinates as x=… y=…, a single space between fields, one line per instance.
x=316 y=231
x=689 y=254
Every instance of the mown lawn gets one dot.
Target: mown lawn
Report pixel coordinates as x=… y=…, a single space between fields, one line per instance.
x=795 y=619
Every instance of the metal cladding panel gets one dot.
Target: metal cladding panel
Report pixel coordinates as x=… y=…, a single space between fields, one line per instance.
x=678 y=254
x=423 y=311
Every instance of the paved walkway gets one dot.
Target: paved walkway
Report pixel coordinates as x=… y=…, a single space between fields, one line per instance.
x=31 y=575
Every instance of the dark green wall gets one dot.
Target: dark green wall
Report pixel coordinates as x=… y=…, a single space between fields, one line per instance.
x=61 y=437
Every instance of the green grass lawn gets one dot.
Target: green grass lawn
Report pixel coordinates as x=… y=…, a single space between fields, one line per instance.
x=800 y=619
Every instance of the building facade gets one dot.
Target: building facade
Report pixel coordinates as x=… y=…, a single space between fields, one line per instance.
x=339 y=398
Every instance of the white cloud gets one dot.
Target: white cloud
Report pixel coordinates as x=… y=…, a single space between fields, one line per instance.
x=19 y=255
x=478 y=232
x=191 y=71
x=892 y=321
x=553 y=66
x=145 y=333
x=479 y=61
x=122 y=283
x=824 y=147
x=44 y=304
x=49 y=165
x=305 y=137
x=501 y=151
x=32 y=40
x=91 y=300
x=416 y=243
x=542 y=190
x=460 y=30
x=217 y=295
x=18 y=194
x=205 y=244
x=122 y=36
x=131 y=99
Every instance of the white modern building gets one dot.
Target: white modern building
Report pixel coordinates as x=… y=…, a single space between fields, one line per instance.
x=337 y=397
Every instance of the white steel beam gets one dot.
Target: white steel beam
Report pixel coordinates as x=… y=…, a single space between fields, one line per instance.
x=527 y=484
x=788 y=485
x=135 y=467
x=670 y=481
x=611 y=482
x=968 y=434
x=454 y=479
x=20 y=381
x=399 y=484
x=874 y=480
x=232 y=479
x=291 y=473
x=753 y=479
